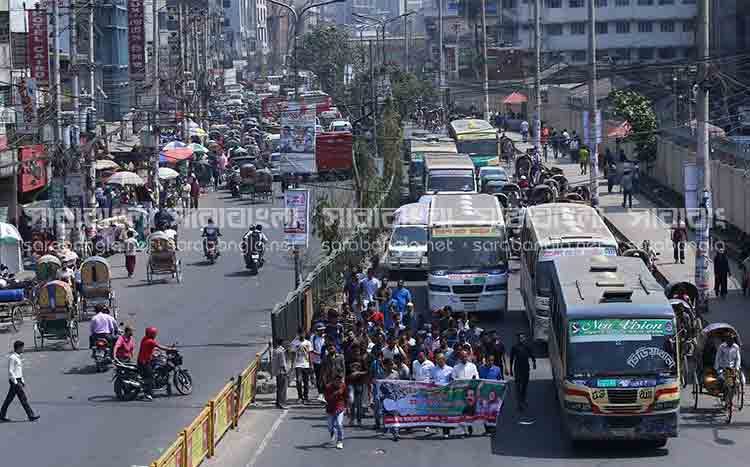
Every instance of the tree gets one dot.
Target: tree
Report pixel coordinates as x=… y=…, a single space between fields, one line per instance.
x=638 y=111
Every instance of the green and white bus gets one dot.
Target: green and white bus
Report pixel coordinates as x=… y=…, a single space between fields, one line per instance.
x=478 y=139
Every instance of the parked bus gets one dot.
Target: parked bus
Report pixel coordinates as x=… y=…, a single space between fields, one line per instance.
x=415 y=153
x=478 y=139
x=448 y=173
x=613 y=351
x=467 y=254
x=552 y=230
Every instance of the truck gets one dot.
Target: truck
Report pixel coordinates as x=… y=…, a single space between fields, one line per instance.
x=333 y=156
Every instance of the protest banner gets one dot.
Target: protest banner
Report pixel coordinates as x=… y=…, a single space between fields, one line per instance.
x=414 y=404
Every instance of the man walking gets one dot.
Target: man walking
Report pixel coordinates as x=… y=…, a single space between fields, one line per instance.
x=302 y=362
x=627 y=189
x=131 y=247
x=17 y=384
x=465 y=369
x=280 y=370
x=520 y=355
x=195 y=192
x=679 y=238
x=318 y=343
x=721 y=272
x=583 y=159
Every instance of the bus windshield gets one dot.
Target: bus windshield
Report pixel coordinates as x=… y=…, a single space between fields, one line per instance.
x=409 y=236
x=451 y=180
x=467 y=253
x=482 y=146
x=621 y=347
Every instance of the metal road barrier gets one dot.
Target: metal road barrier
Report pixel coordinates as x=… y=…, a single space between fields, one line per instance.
x=199 y=439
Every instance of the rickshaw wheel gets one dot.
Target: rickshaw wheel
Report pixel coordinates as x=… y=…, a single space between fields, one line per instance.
x=38 y=340
x=149 y=274
x=73 y=334
x=113 y=304
x=696 y=390
x=179 y=272
x=16 y=319
x=740 y=393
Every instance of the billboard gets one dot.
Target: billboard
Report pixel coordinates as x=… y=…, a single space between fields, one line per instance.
x=33 y=173
x=39 y=46
x=136 y=40
x=297 y=140
x=297 y=217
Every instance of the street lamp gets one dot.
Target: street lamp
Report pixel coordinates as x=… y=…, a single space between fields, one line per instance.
x=382 y=23
x=297 y=15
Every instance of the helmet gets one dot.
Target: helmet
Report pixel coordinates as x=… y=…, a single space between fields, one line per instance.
x=523 y=177
x=259 y=227
x=151 y=332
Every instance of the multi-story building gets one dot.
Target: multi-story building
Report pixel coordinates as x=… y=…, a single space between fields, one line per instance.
x=261 y=41
x=111 y=54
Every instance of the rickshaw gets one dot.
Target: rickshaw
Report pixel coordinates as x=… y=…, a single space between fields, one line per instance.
x=96 y=287
x=13 y=301
x=513 y=192
x=56 y=315
x=541 y=194
x=706 y=381
x=47 y=267
x=523 y=167
x=562 y=183
x=162 y=259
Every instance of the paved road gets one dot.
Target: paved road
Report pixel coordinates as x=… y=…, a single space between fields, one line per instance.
x=219 y=315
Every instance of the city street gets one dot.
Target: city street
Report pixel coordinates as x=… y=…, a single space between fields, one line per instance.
x=219 y=316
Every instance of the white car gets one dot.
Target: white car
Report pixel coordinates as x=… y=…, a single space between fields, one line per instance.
x=340 y=125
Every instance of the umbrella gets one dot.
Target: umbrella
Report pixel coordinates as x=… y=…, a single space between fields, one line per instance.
x=125 y=178
x=175 y=145
x=165 y=173
x=106 y=164
x=199 y=148
x=515 y=98
x=9 y=234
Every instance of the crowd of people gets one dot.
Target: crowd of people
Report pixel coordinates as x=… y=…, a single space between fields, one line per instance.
x=377 y=334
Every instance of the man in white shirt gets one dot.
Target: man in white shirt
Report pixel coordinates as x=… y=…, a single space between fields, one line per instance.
x=302 y=364
x=318 y=341
x=441 y=374
x=103 y=326
x=421 y=368
x=369 y=286
x=465 y=369
x=727 y=356
x=17 y=384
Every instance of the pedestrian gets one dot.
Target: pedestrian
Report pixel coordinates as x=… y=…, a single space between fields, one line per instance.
x=465 y=369
x=721 y=272
x=441 y=375
x=186 y=189
x=195 y=192
x=318 y=341
x=370 y=285
x=555 y=142
x=520 y=355
x=421 y=368
x=356 y=379
x=636 y=177
x=280 y=370
x=335 y=395
x=302 y=365
x=583 y=159
x=333 y=364
x=679 y=238
x=402 y=297
x=573 y=146
x=131 y=248
x=17 y=386
x=390 y=372
x=627 y=189
x=525 y=130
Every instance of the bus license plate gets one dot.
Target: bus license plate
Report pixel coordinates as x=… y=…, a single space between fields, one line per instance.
x=623 y=432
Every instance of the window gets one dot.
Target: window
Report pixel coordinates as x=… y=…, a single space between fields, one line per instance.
x=601 y=3
x=666 y=2
x=602 y=28
x=576 y=3
x=554 y=29
x=645 y=26
x=578 y=29
x=623 y=27
x=579 y=56
x=622 y=2
x=667 y=26
x=646 y=53
x=645 y=2
x=688 y=26
x=667 y=53
x=553 y=3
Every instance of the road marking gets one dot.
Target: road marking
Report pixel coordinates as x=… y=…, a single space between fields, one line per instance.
x=267 y=439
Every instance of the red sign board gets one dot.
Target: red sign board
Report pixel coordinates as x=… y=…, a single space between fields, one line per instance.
x=33 y=174
x=136 y=40
x=39 y=46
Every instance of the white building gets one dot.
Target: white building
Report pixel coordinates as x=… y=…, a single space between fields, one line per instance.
x=629 y=31
x=261 y=10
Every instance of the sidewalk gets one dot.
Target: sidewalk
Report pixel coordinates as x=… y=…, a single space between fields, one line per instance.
x=646 y=221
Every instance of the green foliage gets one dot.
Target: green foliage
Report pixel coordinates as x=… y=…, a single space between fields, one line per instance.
x=390 y=145
x=406 y=88
x=638 y=111
x=328 y=231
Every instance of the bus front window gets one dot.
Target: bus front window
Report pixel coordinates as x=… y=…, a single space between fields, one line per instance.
x=442 y=181
x=467 y=253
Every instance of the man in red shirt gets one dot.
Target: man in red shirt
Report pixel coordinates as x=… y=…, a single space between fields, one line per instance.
x=145 y=354
x=335 y=394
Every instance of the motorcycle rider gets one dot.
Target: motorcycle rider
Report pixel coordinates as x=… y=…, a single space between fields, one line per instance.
x=211 y=233
x=148 y=345
x=255 y=240
x=103 y=326
x=125 y=346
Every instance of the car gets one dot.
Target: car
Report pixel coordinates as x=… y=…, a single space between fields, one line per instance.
x=340 y=125
x=492 y=173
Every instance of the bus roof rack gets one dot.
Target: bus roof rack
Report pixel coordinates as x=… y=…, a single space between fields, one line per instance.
x=602 y=264
x=616 y=296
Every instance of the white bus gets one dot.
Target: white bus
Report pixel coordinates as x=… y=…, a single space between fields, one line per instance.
x=549 y=231
x=467 y=254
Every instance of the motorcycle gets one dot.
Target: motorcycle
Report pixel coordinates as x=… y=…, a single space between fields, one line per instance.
x=168 y=371
x=212 y=252
x=254 y=259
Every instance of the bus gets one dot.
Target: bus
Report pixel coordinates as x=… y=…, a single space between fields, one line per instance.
x=548 y=231
x=448 y=173
x=467 y=254
x=478 y=139
x=613 y=351
x=415 y=152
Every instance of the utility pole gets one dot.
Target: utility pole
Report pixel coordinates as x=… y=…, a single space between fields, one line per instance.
x=703 y=158
x=406 y=40
x=155 y=128
x=92 y=61
x=675 y=100
x=374 y=99
x=183 y=68
x=56 y=71
x=486 y=84
x=593 y=134
x=538 y=75
x=74 y=68
x=440 y=51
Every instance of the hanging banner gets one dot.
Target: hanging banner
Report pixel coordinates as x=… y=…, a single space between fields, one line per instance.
x=136 y=40
x=297 y=217
x=410 y=404
x=297 y=140
x=33 y=173
x=39 y=46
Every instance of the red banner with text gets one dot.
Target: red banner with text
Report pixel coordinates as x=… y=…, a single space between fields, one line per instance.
x=38 y=52
x=136 y=40
x=33 y=174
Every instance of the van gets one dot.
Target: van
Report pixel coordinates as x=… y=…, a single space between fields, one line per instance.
x=407 y=245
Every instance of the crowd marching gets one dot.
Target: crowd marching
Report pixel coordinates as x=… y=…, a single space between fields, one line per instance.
x=377 y=334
